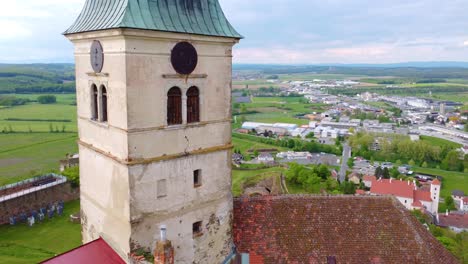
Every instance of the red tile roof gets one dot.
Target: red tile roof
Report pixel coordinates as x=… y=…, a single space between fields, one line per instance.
x=393 y=187
x=96 y=252
x=465 y=200
x=455 y=220
x=354 y=229
x=420 y=195
x=436 y=182
x=360 y=192
x=417 y=204
x=369 y=178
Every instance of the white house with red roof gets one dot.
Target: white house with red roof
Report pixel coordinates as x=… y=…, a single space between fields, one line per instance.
x=408 y=193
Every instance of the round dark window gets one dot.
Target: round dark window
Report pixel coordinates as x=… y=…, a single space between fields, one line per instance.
x=97 y=56
x=184 y=58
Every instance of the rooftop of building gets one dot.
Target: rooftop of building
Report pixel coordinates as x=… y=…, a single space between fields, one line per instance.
x=454 y=220
x=201 y=17
x=97 y=251
x=353 y=229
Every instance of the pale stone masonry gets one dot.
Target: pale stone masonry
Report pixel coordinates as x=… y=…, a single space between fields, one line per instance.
x=137 y=172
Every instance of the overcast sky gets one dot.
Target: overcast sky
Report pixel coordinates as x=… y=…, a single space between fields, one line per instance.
x=276 y=31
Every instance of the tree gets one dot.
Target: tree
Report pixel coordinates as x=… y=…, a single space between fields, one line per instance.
x=450 y=203
x=411 y=162
x=386 y=173
x=378 y=172
x=424 y=165
x=47 y=99
x=255 y=153
x=452 y=162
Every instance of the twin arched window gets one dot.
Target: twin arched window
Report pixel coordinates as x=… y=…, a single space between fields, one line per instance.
x=99 y=103
x=174 y=106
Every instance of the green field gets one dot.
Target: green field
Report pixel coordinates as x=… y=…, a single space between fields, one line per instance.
x=24 y=245
x=24 y=155
x=281 y=110
x=451 y=180
x=29 y=148
x=439 y=142
x=62 y=110
x=244 y=145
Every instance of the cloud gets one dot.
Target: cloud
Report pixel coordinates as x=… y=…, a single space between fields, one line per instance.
x=277 y=31
x=12 y=30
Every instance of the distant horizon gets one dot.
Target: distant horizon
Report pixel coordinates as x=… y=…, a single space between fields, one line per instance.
x=416 y=64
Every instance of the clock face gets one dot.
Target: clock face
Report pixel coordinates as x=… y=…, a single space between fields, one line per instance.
x=97 y=56
x=184 y=58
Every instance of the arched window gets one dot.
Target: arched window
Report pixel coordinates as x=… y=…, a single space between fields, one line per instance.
x=104 y=117
x=174 y=106
x=94 y=102
x=193 y=105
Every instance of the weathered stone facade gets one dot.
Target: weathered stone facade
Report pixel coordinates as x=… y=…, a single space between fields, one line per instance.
x=136 y=171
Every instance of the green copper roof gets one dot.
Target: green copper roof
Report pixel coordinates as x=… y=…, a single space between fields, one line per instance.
x=203 y=17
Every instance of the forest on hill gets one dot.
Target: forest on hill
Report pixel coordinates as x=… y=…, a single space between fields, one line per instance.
x=37 y=78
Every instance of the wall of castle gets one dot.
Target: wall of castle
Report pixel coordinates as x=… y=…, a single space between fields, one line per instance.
x=105 y=200
x=34 y=201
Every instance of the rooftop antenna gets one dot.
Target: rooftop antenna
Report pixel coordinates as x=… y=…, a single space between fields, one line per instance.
x=163 y=233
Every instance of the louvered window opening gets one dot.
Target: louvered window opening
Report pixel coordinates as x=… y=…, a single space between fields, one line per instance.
x=174 y=106
x=193 y=105
x=104 y=104
x=94 y=103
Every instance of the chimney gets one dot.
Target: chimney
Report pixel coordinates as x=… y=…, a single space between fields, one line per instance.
x=391 y=179
x=164 y=252
x=447 y=212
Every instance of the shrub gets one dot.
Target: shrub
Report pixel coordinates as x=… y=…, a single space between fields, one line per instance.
x=47 y=99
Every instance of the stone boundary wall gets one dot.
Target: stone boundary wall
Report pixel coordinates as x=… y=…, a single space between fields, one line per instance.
x=36 y=200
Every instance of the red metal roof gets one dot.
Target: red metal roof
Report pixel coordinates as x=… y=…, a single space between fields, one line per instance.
x=436 y=182
x=393 y=187
x=96 y=252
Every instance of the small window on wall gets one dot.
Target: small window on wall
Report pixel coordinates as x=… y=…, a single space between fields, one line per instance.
x=174 y=106
x=197 y=180
x=193 y=105
x=161 y=189
x=104 y=104
x=197 y=229
x=94 y=102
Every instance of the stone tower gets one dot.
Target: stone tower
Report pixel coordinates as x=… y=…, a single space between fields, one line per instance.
x=154 y=98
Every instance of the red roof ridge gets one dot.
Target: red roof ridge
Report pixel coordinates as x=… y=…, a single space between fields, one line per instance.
x=436 y=182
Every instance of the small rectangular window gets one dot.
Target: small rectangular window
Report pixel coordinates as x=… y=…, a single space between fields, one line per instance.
x=197 y=181
x=197 y=229
x=161 y=189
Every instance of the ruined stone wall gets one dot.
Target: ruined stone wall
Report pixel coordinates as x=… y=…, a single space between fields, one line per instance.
x=36 y=200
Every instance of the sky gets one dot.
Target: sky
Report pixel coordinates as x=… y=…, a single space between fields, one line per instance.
x=276 y=31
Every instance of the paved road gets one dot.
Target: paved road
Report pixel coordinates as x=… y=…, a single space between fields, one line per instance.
x=344 y=162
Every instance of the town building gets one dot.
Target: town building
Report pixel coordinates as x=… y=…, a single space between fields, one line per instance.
x=457 y=222
x=408 y=193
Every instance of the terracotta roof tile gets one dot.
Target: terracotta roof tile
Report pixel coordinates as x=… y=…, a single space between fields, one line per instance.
x=308 y=229
x=393 y=187
x=436 y=182
x=455 y=220
x=420 y=195
x=369 y=178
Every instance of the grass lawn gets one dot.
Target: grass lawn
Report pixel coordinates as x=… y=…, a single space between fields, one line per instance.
x=281 y=110
x=440 y=142
x=241 y=176
x=244 y=145
x=24 y=155
x=39 y=111
x=451 y=180
x=23 y=245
